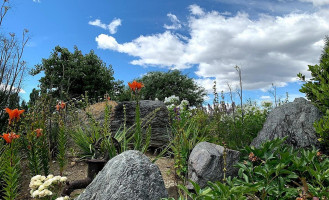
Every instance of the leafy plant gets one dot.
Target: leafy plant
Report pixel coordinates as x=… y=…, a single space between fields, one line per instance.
x=273 y=171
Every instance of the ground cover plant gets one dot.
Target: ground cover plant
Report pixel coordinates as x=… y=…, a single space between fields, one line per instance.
x=273 y=171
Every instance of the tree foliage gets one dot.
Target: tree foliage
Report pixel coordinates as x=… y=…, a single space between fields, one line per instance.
x=317 y=90
x=160 y=85
x=68 y=75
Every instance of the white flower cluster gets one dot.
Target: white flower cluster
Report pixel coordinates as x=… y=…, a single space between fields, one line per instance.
x=171 y=100
x=184 y=103
x=39 y=185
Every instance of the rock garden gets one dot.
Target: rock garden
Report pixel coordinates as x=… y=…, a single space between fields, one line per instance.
x=147 y=149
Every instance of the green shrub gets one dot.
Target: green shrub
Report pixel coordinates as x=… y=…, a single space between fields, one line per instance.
x=274 y=171
x=317 y=90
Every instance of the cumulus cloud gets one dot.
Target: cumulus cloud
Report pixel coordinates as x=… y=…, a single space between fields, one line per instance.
x=14 y=89
x=317 y=2
x=175 y=22
x=269 y=49
x=112 y=27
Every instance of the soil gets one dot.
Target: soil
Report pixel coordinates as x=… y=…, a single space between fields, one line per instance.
x=77 y=170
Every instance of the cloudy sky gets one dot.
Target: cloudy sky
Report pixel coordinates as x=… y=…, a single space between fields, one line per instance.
x=270 y=40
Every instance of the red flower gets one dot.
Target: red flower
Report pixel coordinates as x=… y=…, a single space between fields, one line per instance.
x=14 y=114
x=9 y=136
x=38 y=132
x=135 y=85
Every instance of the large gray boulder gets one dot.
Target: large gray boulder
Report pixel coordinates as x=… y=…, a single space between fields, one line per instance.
x=129 y=175
x=295 y=120
x=154 y=113
x=206 y=163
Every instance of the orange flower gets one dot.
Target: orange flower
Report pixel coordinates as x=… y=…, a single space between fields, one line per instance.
x=9 y=136
x=14 y=114
x=63 y=105
x=60 y=105
x=252 y=157
x=38 y=132
x=135 y=85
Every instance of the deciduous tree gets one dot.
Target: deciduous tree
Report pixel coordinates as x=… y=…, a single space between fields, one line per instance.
x=68 y=75
x=165 y=84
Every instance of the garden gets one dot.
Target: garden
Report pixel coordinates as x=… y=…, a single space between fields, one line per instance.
x=44 y=134
x=81 y=118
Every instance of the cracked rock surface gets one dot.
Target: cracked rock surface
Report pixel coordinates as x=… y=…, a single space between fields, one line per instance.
x=295 y=120
x=206 y=163
x=129 y=175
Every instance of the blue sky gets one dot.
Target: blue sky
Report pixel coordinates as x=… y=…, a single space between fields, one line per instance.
x=271 y=40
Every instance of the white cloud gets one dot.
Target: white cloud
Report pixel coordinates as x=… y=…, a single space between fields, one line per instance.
x=98 y=23
x=36 y=1
x=175 y=22
x=14 y=89
x=196 y=10
x=270 y=49
x=112 y=27
x=317 y=2
x=265 y=97
x=159 y=49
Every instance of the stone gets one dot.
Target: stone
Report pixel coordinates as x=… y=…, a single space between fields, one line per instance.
x=129 y=175
x=295 y=120
x=159 y=120
x=206 y=163
x=155 y=114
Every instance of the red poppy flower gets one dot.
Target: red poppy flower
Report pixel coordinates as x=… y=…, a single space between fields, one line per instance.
x=135 y=85
x=14 y=114
x=38 y=132
x=9 y=136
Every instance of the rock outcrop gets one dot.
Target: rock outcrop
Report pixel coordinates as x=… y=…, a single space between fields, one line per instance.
x=295 y=120
x=206 y=163
x=129 y=175
x=154 y=113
